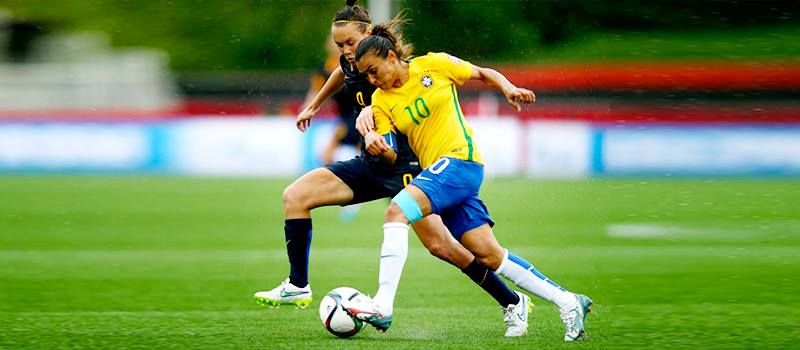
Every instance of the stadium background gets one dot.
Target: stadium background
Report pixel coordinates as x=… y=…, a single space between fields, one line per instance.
x=144 y=146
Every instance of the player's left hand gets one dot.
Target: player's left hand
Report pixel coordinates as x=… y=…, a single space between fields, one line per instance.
x=303 y=120
x=516 y=96
x=375 y=144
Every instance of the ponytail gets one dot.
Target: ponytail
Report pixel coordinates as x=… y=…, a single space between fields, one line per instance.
x=386 y=37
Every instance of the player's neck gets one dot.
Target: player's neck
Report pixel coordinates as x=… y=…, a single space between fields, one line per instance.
x=403 y=75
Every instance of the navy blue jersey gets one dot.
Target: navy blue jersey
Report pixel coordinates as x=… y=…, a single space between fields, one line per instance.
x=347 y=110
x=357 y=88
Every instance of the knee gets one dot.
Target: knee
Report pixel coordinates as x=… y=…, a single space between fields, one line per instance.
x=395 y=214
x=491 y=260
x=293 y=198
x=439 y=250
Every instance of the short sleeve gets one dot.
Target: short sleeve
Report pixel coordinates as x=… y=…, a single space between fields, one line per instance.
x=453 y=67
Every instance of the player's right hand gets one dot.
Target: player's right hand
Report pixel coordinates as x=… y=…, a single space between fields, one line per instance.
x=303 y=121
x=516 y=96
x=375 y=144
x=365 y=123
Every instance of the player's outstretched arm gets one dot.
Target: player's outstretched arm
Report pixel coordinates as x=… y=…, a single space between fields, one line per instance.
x=334 y=83
x=513 y=94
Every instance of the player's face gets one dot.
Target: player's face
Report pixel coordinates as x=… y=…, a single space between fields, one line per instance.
x=347 y=38
x=380 y=71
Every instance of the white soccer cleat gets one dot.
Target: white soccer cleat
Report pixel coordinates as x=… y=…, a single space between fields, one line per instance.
x=575 y=316
x=285 y=294
x=516 y=316
x=365 y=309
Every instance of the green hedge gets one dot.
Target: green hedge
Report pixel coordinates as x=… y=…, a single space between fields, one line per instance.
x=272 y=35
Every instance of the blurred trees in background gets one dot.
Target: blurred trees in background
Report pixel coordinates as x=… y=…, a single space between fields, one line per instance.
x=275 y=35
x=200 y=35
x=504 y=29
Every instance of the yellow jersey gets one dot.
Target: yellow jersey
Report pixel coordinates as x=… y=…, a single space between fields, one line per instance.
x=426 y=109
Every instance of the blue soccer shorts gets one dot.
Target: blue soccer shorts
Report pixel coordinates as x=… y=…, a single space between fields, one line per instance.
x=452 y=186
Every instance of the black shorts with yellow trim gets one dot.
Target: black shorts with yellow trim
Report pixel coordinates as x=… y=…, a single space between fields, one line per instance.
x=369 y=183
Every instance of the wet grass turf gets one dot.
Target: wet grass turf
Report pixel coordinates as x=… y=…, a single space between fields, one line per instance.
x=163 y=262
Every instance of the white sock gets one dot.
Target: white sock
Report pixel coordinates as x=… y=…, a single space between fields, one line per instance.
x=527 y=278
x=393 y=256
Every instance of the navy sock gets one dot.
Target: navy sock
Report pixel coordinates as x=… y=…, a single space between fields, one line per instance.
x=298 y=244
x=488 y=280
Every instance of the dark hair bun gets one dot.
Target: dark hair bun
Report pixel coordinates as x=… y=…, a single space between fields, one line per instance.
x=383 y=31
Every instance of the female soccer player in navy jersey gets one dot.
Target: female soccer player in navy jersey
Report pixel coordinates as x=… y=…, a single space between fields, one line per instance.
x=363 y=179
x=418 y=99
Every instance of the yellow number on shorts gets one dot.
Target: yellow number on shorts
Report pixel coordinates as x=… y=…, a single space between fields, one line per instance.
x=407 y=179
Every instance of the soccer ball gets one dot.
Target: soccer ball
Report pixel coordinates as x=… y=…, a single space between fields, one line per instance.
x=333 y=316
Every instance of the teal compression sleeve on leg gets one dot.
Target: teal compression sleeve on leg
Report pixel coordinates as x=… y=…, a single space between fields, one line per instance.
x=408 y=205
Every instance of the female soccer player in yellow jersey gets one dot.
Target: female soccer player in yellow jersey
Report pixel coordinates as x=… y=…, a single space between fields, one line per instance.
x=365 y=179
x=418 y=99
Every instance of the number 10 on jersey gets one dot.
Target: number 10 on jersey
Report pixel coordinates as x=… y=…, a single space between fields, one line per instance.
x=420 y=106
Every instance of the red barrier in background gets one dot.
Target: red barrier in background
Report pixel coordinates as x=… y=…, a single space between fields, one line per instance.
x=666 y=77
x=659 y=76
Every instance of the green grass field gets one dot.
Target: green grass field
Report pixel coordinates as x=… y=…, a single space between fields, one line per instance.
x=161 y=262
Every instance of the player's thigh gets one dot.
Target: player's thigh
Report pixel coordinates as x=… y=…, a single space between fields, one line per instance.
x=482 y=243
x=446 y=184
x=410 y=204
x=435 y=236
x=421 y=198
x=317 y=188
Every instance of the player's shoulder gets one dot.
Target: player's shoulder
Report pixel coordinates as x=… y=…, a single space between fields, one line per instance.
x=437 y=59
x=378 y=93
x=378 y=98
x=431 y=57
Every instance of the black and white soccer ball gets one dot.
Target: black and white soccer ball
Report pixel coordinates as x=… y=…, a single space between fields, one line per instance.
x=334 y=317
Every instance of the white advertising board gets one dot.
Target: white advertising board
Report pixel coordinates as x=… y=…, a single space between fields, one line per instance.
x=73 y=147
x=500 y=143
x=701 y=151
x=236 y=146
x=558 y=149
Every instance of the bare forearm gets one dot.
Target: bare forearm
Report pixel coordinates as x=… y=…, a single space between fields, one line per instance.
x=334 y=83
x=496 y=80
x=514 y=95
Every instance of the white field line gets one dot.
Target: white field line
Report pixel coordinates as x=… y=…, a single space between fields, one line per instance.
x=643 y=230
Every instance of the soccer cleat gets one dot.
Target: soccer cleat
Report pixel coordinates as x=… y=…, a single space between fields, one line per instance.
x=365 y=309
x=516 y=316
x=575 y=316
x=285 y=294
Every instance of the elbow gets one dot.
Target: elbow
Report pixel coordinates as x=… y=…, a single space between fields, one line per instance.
x=485 y=74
